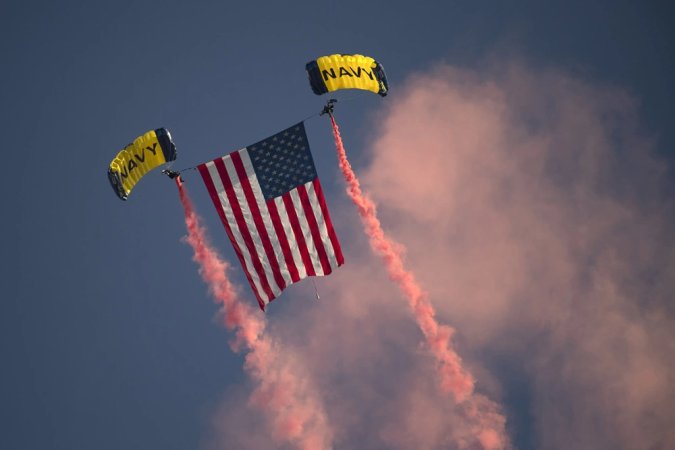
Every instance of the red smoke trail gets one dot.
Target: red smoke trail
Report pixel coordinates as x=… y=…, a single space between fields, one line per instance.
x=282 y=392
x=453 y=377
x=488 y=423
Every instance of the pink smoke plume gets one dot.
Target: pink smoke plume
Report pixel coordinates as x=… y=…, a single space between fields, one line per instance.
x=454 y=378
x=538 y=213
x=282 y=390
x=532 y=206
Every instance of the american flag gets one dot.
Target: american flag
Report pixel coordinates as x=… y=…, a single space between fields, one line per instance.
x=271 y=203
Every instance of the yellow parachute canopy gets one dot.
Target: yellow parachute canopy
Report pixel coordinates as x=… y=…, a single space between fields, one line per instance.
x=152 y=149
x=333 y=72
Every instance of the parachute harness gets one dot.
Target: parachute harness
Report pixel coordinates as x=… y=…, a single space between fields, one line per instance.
x=329 y=108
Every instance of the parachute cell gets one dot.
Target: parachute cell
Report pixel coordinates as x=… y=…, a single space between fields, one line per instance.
x=148 y=151
x=333 y=72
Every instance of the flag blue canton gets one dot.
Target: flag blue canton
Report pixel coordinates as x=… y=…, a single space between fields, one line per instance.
x=282 y=162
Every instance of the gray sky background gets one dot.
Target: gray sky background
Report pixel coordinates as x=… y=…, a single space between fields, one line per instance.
x=107 y=336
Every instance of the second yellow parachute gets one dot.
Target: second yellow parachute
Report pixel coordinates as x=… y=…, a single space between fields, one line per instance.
x=333 y=72
x=148 y=151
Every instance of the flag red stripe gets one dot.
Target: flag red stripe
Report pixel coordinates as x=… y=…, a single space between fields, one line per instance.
x=314 y=228
x=206 y=176
x=258 y=220
x=329 y=225
x=243 y=228
x=297 y=232
x=283 y=241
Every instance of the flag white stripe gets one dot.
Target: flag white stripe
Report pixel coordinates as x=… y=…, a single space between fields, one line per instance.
x=323 y=229
x=264 y=213
x=250 y=225
x=306 y=232
x=290 y=237
x=234 y=227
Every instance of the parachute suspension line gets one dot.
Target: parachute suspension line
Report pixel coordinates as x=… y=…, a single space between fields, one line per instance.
x=330 y=107
x=186 y=169
x=351 y=97
x=332 y=100
x=310 y=117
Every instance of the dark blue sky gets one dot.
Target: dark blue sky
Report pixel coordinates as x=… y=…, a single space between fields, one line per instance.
x=107 y=334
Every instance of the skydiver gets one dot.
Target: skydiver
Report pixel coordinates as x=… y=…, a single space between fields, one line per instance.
x=170 y=173
x=330 y=106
